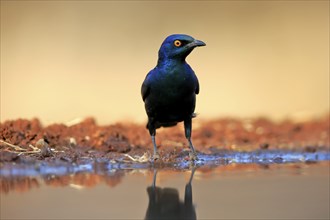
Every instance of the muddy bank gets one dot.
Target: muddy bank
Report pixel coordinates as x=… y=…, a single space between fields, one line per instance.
x=27 y=140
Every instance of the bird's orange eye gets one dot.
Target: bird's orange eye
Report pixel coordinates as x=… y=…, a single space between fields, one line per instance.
x=177 y=43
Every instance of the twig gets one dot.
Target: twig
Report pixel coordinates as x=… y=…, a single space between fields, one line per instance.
x=144 y=158
x=19 y=150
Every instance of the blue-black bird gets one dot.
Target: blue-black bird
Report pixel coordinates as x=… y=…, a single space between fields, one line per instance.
x=169 y=90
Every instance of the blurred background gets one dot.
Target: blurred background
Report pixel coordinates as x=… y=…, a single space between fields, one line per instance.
x=62 y=60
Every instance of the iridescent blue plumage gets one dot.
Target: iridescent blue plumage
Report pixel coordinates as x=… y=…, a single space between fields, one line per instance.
x=169 y=90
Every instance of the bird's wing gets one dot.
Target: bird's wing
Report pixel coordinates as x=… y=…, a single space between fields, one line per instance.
x=197 y=86
x=145 y=89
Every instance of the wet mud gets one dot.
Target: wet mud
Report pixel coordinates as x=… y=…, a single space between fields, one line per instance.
x=26 y=141
x=28 y=149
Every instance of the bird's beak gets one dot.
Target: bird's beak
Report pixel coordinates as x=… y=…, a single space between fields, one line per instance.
x=197 y=43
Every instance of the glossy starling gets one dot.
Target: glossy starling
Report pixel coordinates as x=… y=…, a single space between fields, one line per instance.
x=169 y=90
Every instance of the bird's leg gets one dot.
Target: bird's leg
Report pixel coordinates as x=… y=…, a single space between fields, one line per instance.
x=192 y=154
x=156 y=155
x=152 y=131
x=187 y=128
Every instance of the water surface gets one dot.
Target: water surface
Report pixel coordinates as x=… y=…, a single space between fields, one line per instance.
x=290 y=190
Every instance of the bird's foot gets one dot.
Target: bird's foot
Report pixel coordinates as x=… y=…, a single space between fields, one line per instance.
x=193 y=156
x=155 y=157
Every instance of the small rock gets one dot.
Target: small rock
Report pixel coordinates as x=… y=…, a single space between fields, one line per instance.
x=72 y=141
x=310 y=149
x=264 y=146
x=45 y=149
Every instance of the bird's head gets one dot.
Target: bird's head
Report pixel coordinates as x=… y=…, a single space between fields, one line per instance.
x=178 y=46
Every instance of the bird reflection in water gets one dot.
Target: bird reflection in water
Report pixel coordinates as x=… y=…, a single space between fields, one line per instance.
x=164 y=203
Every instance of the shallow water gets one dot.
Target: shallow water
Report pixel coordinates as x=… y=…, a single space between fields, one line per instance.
x=254 y=190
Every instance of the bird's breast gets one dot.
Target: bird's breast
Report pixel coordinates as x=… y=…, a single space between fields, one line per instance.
x=172 y=94
x=174 y=85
